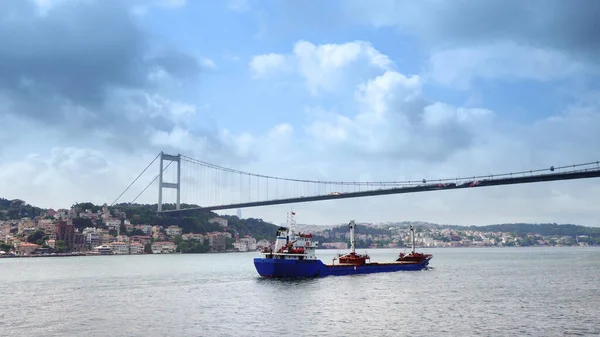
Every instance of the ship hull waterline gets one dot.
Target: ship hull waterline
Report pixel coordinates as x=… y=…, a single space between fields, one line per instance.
x=290 y=268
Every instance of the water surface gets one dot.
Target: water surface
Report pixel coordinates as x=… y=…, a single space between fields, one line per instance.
x=467 y=292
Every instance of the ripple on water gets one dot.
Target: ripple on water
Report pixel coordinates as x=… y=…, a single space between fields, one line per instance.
x=467 y=292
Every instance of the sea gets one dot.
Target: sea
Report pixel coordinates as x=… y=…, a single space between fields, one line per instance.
x=465 y=292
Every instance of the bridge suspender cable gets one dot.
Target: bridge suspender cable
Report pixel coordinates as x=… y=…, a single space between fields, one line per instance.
x=138 y=177
x=381 y=183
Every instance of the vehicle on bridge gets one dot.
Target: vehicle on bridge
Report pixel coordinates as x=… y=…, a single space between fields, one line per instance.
x=445 y=185
x=294 y=257
x=471 y=183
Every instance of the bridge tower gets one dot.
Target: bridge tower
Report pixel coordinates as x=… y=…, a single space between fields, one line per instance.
x=176 y=185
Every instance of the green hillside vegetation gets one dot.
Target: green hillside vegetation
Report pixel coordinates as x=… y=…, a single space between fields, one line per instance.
x=17 y=209
x=257 y=228
x=198 y=222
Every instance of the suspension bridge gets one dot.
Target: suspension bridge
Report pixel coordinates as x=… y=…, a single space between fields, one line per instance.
x=209 y=187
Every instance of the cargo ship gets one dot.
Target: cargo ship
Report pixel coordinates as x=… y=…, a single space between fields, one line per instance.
x=293 y=256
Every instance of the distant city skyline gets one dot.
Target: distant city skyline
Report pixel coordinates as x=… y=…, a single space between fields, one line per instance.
x=347 y=90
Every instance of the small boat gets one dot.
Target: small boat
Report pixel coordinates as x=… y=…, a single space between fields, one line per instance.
x=103 y=250
x=294 y=257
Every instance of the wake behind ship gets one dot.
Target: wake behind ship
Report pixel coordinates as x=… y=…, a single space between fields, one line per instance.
x=294 y=257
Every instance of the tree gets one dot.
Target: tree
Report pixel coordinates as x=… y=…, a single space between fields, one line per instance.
x=81 y=223
x=122 y=228
x=36 y=237
x=148 y=248
x=138 y=232
x=193 y=246
x=182 y=246
x=229 y=243
x=61 y=247
x=85 y=206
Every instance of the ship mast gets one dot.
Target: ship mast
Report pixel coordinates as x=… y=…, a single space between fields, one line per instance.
x=412 y=232
x=292 y=220
x=352 y=239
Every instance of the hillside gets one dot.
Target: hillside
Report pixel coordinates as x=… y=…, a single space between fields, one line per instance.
x=521 y=234
x=541 y=229
x=377 y=236
x=146 y=214
x=17 y=209
x=260 y=229
x=197 y=223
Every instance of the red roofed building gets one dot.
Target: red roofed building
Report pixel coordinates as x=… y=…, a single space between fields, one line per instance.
x=27 y=248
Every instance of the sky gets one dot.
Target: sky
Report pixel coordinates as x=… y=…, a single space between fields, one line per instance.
x=91 y=91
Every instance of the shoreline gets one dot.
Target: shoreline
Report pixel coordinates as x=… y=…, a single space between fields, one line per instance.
x=7 y=256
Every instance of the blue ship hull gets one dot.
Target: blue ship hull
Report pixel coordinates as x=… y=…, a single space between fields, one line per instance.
x=287 y=268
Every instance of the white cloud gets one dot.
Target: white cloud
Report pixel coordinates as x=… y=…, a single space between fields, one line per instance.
x=240 y=6
x=173 y=3
x=506 y=61
x=337 y=129
x=140 y=105
x=207 y=63
x=242 y=144
x=393 y=120
x=322 y=67
x=180 y=139
x=264 y=65
x=438 y=114
x=231 y=56
x=82 y=161
x=281 y=130
x=44 y=6
x=67 y=175
x=375 y=95
x=514 y=40
x=141 y=7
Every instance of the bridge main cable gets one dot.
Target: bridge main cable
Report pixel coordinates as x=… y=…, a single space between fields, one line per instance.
x=402 y=182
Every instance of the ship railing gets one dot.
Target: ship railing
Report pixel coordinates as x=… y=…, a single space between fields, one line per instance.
x=284 y=254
